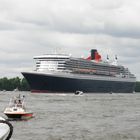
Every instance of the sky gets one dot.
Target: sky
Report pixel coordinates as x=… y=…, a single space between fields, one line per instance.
x=35 y=27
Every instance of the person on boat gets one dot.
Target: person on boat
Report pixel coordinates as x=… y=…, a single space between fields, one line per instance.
x=18 y=101
x=19 y=104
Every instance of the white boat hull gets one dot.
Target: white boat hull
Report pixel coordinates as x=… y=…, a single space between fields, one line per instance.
x=5 y=129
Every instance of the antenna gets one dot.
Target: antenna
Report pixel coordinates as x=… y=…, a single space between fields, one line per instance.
x=115 y=61
x=116 y=57
x=107 y=58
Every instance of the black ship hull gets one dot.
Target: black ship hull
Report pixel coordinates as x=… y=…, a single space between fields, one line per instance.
x=51 y=83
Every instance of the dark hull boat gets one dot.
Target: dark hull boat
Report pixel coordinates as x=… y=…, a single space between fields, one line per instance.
x=63 y=73
x=51 y=83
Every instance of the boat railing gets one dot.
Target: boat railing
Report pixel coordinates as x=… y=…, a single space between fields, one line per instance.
x=17 y=102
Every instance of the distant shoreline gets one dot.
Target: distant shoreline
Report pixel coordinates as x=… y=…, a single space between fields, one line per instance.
x=14 y=84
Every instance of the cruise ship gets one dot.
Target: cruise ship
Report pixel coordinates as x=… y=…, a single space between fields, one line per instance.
x=62 y=73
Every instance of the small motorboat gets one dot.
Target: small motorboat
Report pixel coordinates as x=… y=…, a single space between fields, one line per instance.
x=79 y=92
x=17 y=110
x=6 y=129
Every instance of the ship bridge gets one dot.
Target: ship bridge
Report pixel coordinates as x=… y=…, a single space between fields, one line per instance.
x=51 y=62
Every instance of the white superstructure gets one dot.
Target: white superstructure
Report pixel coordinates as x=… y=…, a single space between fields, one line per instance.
x=51 y=62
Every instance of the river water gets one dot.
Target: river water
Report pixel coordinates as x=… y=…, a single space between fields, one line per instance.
x=71 y=117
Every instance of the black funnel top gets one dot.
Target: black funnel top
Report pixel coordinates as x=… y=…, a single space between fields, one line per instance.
x=93 y=54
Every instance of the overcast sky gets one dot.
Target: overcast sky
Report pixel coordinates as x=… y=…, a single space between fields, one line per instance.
x=34 y=27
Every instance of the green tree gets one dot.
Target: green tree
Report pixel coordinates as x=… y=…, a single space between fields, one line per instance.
x=5 y=84
x=14 y=83
x=137 y=88
x=24 y=86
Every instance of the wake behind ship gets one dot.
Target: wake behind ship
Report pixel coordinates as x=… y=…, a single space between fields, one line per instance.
x=63 y=73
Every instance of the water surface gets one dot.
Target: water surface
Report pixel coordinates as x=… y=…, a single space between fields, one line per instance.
x=71 y=117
